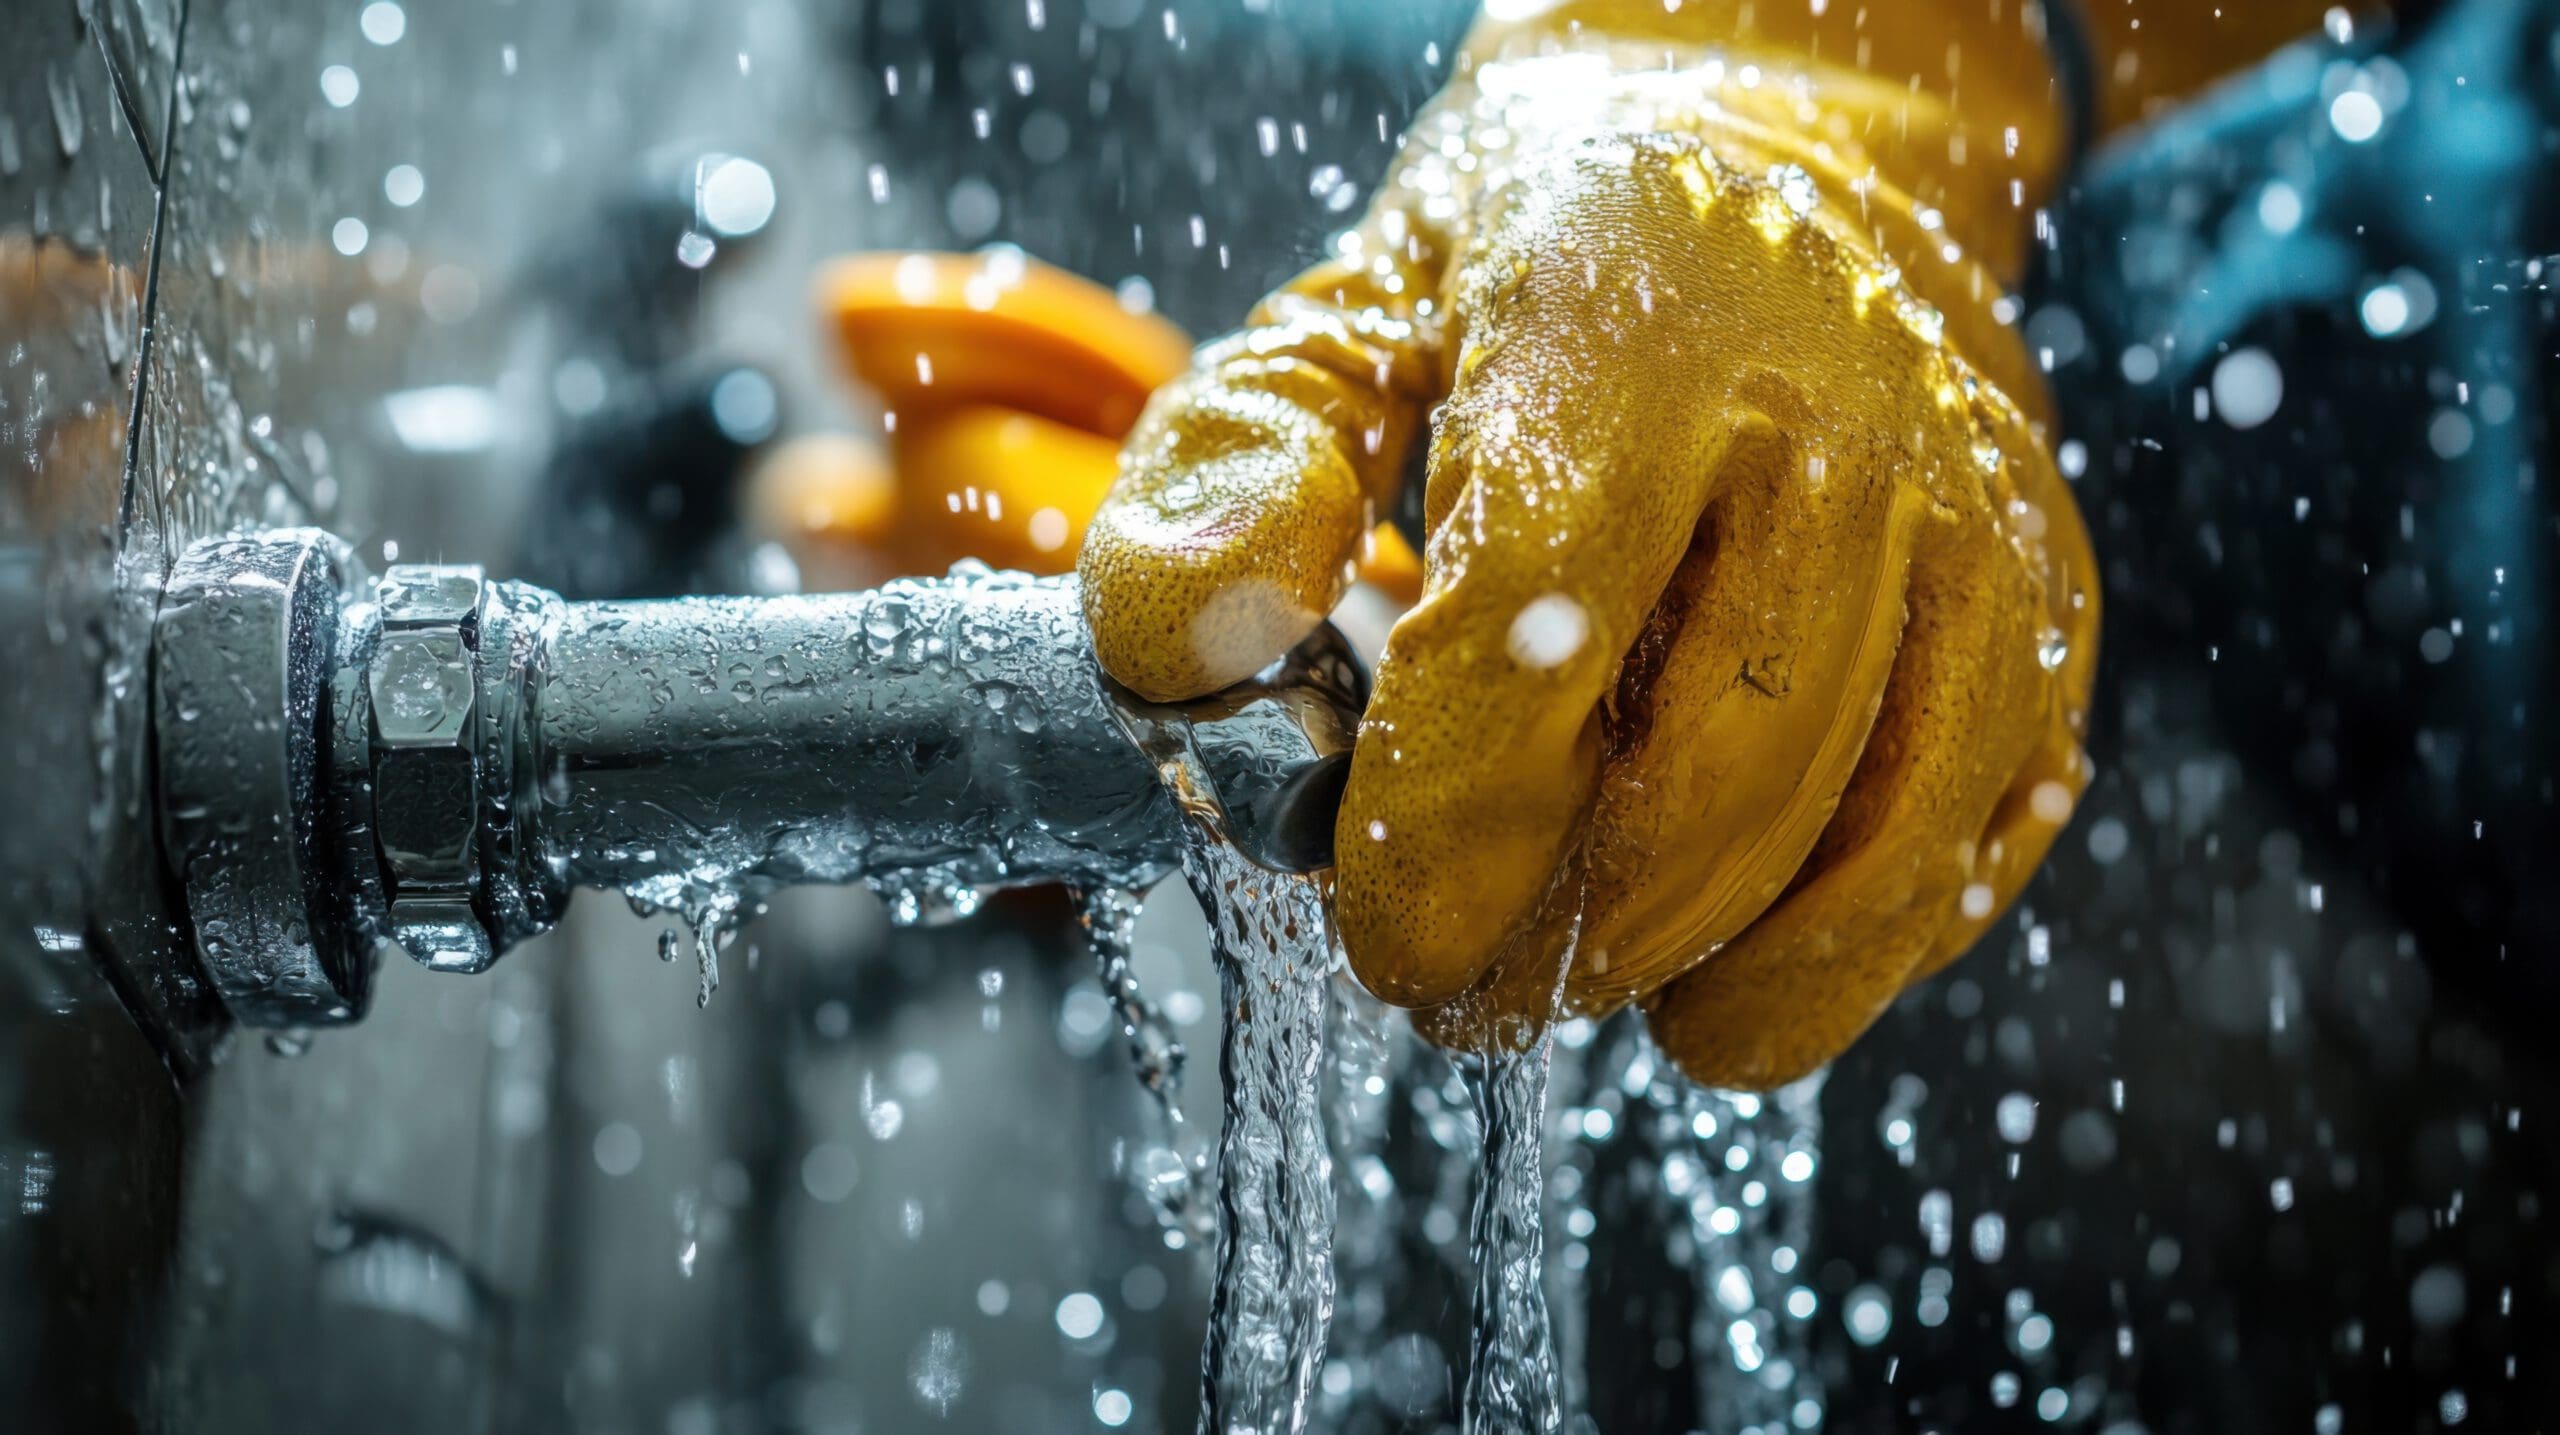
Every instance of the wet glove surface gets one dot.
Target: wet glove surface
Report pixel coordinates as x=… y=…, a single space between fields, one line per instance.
x=1757 y=625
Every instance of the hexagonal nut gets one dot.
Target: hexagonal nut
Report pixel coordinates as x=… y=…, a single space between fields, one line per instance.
x=424 y=688
x=431 y=595
x=425 y=814
x=443 y=933
x=423 y=683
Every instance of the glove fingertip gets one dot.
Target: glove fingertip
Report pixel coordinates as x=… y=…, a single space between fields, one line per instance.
x=1420 y=931
x=1172 y=623
x=1227 y=538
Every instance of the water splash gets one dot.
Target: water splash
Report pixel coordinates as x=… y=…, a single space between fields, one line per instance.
x=927 y=897
x=1172 y=1168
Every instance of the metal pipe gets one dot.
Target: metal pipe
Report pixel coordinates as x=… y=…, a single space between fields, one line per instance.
x=474 y=751
x=949 y=729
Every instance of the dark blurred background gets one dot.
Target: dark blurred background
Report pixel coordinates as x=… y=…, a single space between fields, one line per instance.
x=2237 y=1125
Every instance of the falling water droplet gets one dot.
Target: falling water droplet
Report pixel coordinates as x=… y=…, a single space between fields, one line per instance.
x=708 y=939
x=65 y=95
x=939 y=1370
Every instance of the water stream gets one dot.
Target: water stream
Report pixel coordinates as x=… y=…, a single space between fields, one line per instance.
x=1512 y=1377
x=1314 y=1073
x=1371 y=1050
x=1171 y=1169
x=1274 y=1292
x=1572 y=1176
x=1272 y=1302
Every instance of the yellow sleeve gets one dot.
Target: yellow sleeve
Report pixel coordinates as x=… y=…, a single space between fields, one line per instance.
x=2150 y=55
x=1970 y=108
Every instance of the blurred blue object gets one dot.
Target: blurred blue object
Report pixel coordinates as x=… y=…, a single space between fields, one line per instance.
x=2303 y=334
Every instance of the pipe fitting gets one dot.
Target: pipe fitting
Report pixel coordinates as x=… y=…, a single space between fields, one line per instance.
x=424 y=685
x=244 y=652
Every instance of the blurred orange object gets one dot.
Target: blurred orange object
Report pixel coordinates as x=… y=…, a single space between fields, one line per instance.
x=1389 y=564
x=1011 y=384
x=833 y=489
x=1002 y=485
x=934 y=332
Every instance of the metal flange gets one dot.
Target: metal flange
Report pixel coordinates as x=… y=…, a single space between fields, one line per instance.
x=245 y=642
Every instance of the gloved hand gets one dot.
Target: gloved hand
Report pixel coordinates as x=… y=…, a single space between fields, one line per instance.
x=1757 y=626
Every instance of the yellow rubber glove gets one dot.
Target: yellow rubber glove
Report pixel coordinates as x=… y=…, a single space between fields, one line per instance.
x=1757 y=625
